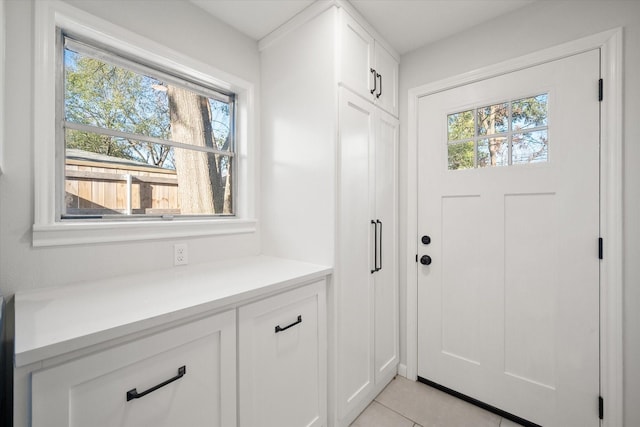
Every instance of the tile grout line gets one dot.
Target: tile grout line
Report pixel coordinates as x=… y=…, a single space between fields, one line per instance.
x=393 y=410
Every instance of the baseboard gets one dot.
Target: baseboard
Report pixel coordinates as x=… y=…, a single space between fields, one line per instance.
x=402 y=370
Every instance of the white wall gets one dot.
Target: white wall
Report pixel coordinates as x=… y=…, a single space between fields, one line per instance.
x=180 y=26
x=540 y=25
x=298 y=144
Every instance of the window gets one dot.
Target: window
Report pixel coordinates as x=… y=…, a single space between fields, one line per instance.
x=503 y=134
x=138 y=158
x=139 y=142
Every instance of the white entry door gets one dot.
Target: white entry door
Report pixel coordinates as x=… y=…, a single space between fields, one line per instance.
x=508 y=181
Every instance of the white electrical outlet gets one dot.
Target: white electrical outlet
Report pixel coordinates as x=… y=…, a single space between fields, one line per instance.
x=180 y=254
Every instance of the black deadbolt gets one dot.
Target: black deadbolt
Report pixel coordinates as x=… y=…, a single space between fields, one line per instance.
x=425 y=260
x=426 y=240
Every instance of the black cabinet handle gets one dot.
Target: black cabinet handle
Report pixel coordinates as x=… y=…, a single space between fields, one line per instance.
x=280 y=328
x=375 y=247
x=380 y=92
x=133 y=393
x=375 y=80
x=380 y=244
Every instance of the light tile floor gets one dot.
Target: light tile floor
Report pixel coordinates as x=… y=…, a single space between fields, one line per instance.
x=405 y=403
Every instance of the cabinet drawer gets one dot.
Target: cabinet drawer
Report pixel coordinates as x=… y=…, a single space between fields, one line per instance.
x=282 y=360
x=92 y=391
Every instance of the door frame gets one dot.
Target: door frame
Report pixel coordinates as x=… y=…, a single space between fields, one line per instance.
x=611 y=112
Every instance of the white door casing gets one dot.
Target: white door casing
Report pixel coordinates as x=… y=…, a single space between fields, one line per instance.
x=508 y=310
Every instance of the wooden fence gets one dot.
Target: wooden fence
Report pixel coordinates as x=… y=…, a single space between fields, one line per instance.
x=94 y=187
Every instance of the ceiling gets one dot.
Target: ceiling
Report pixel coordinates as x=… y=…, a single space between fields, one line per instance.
x=404 y=24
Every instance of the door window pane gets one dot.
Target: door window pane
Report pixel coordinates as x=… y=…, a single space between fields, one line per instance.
x=501 y=134
x=493 y=152
x=530 y=147
x=460 y=126
x=493 y=119
x=529 y=113
x=461 y=155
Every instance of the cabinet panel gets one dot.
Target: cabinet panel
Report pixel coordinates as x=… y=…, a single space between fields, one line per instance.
x=282 y=360
x=386 y=287
x=355 y=252
x=366 y=67
x=356 y=56
x=387 y=67
x=92 y=391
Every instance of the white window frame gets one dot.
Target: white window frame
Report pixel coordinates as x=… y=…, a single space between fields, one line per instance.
x=48 y=230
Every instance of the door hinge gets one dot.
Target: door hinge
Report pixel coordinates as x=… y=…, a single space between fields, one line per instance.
x=600 y=90
x=600 y=248
x=601 y=407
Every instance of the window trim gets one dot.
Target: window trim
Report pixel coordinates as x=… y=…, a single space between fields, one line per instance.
x=48 y=230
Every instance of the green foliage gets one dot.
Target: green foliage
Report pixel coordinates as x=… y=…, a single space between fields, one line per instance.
x=460 y=126
x=468 y=126
x=529 y=112
x=461 y=155
x=107 y=96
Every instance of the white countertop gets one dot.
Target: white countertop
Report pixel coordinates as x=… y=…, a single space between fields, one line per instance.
x=52 y=322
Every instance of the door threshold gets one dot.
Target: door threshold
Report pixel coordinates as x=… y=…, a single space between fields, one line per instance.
x=478 y=403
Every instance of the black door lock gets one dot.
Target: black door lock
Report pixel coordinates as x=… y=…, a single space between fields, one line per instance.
x=425 y=260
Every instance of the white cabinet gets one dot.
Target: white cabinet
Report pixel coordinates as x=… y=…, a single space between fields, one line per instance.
x=282 y=360
x=366 y=67
x=386 y=304
x=386 y=89
x=160 y=349
x=194 y=364
x=367 y=300
x=357 y=50
x=329 y=156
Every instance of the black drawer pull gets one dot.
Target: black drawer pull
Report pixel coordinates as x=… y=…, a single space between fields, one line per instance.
x=133 y=393
x=280 y=329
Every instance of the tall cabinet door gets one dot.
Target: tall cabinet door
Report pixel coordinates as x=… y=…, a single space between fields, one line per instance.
x=355 y=253
x=385 y=279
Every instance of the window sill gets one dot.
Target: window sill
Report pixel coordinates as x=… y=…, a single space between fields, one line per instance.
x=63 y=234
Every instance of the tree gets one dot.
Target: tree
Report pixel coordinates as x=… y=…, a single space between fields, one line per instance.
x=191 y=124
x=107 y=96
x=111 y=97
x=461 y=128
x=492 y=124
